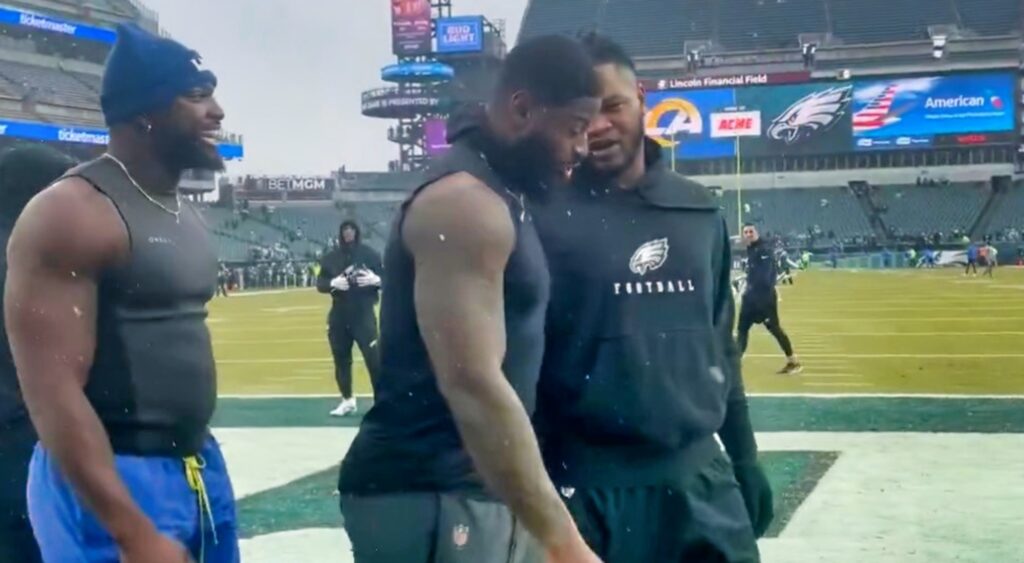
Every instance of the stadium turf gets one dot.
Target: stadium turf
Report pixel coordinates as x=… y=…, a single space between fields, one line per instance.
x=861 y=472
x=865 y=332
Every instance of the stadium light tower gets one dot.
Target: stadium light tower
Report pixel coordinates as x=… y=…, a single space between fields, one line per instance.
x=437 y=57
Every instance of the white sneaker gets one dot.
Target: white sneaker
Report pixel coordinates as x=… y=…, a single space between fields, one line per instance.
x=345 y=408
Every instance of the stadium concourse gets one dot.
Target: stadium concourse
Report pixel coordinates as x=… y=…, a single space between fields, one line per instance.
x=911 y=390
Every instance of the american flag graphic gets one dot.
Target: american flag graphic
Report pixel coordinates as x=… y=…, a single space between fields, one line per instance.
x=875 y=115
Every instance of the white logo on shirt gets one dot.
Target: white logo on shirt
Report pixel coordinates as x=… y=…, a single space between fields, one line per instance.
x=649 y=257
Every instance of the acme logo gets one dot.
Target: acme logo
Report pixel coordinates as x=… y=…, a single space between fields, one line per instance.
x=736 y=124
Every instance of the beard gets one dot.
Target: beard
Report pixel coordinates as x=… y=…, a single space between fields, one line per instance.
x=526 y=162
x=179 y=151
x=631 y=148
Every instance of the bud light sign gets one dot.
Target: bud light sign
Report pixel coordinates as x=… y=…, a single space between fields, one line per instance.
x=460 y=35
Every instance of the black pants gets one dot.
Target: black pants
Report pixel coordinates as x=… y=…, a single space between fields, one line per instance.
x=762 y=309
x=17 y=544
x=435 y=528
x=703 y=520
x=971 y=265
x=344 y=329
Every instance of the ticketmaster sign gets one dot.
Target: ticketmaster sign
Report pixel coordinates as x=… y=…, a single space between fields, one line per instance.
x=84 y=135
x=22 y=18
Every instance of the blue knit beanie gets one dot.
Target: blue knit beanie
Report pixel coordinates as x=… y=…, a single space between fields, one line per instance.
x=145 y=73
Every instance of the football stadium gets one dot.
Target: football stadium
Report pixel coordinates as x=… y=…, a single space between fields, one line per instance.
x=876 y=143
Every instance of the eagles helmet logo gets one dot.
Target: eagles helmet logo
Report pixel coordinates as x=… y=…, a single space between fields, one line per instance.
x=649 y=257
x=815 y=112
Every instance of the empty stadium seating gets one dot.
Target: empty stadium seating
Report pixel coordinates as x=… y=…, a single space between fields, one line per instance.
x=661 y=27
x=927 y=209
x=990 y=17
x=656 y=27
x=1010 y=211
x=316 y=222
x=874 y=21
x=561 y=16
x=47 y=84
x=791 y=212
x=769 y=24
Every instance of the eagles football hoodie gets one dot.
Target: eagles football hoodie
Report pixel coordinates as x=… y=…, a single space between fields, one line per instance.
x=640 y=361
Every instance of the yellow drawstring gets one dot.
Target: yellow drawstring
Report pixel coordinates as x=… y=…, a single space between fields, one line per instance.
x=194 y=466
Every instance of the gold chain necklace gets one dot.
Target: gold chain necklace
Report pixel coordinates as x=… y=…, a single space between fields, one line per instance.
x=175 y=212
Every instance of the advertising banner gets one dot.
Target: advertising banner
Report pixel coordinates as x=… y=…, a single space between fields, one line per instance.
x=435 y=137
x=799 y=119
x=733 y=124
x=460 y=35
x=283 y=188
x=683 y=120
x=13 y=16
x=410 y=27
x=834 y=117
x=727 y=81
x=84 y=135
x=912 y=112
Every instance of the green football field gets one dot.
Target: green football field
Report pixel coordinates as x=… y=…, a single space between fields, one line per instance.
x=899 y=331
x=902 y=441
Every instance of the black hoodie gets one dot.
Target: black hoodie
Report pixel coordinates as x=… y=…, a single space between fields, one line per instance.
x=349 y=259
x=639 y=360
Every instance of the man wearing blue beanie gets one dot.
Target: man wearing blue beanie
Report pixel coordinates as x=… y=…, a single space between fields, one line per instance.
x=109 y=274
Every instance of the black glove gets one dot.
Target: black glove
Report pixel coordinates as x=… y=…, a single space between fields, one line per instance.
x=757 y=495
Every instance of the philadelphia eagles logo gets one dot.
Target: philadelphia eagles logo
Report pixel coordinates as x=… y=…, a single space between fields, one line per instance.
x=649 y=257
x=817 y=111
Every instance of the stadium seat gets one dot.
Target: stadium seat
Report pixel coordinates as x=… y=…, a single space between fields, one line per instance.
x=791 y=212
x=769 y=24
x=878 y=21
x=929 y=209
x=990 y=17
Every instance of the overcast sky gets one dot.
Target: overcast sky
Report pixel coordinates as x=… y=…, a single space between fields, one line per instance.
x=291 y=73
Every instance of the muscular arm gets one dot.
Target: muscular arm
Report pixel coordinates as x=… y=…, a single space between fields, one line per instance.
x=461 y=236
x=62 y=241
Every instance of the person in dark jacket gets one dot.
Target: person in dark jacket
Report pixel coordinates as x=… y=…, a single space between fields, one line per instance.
x=640 y=369
x=351 y=274
x=760 y=300
x=24 y=172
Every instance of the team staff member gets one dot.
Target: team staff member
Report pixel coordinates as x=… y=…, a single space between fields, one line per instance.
x=446 y=468
x=109 y=274
x=761 y=301
x=24 y=172
x=351 y=274
x=640 y=369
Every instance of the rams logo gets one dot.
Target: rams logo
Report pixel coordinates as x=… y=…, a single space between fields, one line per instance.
x=671 y=120
x=649 y=257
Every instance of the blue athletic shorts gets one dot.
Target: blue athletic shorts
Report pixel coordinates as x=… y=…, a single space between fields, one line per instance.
x=68 y=533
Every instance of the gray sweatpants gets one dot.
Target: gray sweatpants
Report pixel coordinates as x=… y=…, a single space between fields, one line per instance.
x=435 y=528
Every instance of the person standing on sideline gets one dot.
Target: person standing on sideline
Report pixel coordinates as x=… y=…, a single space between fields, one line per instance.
x=972 y=259
x=24 y=172
x=640 y=367
x=351 y=274
x=446 y=466
x=991 y=259
x=109 y=274
x=761 y=302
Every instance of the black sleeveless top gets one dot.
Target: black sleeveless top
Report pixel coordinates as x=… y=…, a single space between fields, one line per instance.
x=408 y=440
x=153 y=379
